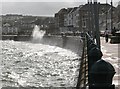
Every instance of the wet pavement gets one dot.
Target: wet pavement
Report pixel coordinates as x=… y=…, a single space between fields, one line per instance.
x=111 y=55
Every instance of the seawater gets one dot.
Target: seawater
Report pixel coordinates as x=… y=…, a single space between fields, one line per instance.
x=37 y=65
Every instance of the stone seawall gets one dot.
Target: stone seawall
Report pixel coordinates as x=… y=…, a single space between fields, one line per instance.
x=16 y=38
x=73 y=43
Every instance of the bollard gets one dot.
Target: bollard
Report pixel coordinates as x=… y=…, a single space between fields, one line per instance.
x=101 y=74
x=93 y=55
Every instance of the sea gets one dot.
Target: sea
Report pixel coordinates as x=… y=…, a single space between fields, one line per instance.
x=29 y=64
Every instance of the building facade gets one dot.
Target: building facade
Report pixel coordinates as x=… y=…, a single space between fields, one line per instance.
x=81 y=19
x=59 y=20
x=10 y=31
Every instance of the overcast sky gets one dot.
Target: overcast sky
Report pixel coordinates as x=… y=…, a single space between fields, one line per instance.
x=40 y=7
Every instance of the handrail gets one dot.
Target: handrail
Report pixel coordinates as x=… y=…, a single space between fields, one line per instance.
x=83 y=72
x=90 y=62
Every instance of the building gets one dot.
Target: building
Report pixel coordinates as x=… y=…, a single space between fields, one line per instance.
x=118 y=11
x=87 y=16
x=72 y=19
x=76 y=15
x=82 y=18
x=10 y=17
x=10 y=30
x=59 y=20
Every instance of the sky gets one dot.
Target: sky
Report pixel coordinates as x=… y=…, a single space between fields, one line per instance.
x=40 y=7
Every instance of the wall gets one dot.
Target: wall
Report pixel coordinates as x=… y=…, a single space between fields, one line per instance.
x=73 y=43
x=16 y=38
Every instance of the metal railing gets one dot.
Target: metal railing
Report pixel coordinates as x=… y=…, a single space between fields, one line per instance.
x=83 y=72
x=94 y=72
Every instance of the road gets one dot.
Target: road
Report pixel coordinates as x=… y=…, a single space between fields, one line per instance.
x=111 y=55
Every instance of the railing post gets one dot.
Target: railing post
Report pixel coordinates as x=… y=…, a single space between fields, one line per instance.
x=94 y=54
x=101 y=74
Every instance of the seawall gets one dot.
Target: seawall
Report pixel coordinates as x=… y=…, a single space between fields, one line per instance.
x=16 y=37
x=73 y=43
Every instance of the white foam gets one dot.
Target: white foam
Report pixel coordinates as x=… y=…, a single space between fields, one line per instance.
x=38 y=59
x=37 y=33
x=22 y=82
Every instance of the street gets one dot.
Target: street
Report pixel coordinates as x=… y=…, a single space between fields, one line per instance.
x=111 y=55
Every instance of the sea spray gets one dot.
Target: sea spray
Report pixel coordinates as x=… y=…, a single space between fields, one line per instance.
x=37 y=34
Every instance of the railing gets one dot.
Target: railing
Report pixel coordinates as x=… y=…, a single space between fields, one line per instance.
x=83 y=72
x=94 y=73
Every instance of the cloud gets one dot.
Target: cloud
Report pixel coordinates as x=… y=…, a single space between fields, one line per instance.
x=40 y=7
x=42 y=0
x=35 y=8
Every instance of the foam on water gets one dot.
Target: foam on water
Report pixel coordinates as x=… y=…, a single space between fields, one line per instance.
x=39 y=65
x=29 y=64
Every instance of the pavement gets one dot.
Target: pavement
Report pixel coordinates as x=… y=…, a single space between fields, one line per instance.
x=111 y=55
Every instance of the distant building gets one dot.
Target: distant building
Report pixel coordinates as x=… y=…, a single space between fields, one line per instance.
x=10 y=17
x=25 y=24
x=51 y=28
x=118 y=11
x=86 y=19
x=82 y=18
x=10 y=30
x=72 y=19
x=59 y=19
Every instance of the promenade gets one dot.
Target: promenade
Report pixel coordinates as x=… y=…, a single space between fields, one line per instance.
x=111 y=54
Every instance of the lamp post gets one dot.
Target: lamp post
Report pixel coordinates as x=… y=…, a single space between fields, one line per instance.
x=106 y=14
x=96 y=17
x=111 y=16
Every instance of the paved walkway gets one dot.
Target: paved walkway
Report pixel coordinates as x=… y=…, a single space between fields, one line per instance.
x=111 y=54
